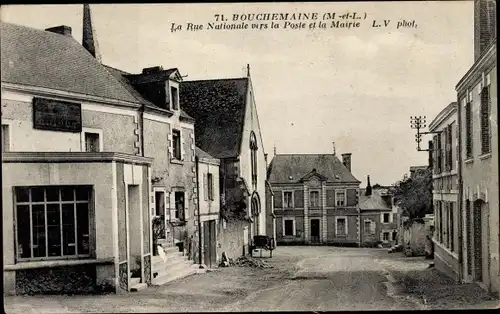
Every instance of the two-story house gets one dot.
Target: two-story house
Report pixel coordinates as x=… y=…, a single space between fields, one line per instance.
x=227 y=128
x=478 y=157
x=379 y=218
x=445 y=188
x=75 y=185
x=315 y=199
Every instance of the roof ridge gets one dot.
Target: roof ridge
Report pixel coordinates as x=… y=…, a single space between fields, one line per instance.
x=222 y=79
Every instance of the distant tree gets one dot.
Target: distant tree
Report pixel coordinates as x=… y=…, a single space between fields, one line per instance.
x=414 y=195
x=377 y=186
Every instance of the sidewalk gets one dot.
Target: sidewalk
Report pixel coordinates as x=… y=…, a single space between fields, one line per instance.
x=437 y=291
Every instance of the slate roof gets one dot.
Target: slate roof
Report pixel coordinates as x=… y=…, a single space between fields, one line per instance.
x=202 y=154
x=299 y=165
x=218 y=106
x=43 y=59
x=123 y=78
x=374 y=201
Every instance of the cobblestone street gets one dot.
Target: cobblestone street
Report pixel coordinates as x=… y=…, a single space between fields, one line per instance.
x=303 y=278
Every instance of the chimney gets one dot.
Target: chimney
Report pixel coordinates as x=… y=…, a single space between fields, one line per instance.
x=62 y=30
x=368 y=187
x=334 y=150
x=274 y=150
x=484 y=25
x=346 y=160
x=151 y=70
x=89 y=39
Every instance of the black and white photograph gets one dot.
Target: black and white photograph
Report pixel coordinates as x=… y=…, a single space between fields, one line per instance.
x=250 y=157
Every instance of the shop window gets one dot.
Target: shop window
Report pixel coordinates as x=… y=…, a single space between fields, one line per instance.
x=52 y=222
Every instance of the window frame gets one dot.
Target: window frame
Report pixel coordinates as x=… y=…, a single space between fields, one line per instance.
x=369 y=223
x=388 y=218
x=176 y=133
x=90 y=217
x=210 y=186
x=346 y=231
x=293 y=226
x=165 y=209
x=469 y=124
x=310 y=199
x=484 y=118
x=177 y=215
x=292 y=198
x=344 y=200
x=174 y=97
x=86 y=131
x=384 y=233
x=8 y=136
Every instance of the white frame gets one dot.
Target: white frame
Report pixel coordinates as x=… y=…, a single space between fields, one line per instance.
x=283 y=199
x=93 y=131
x=383 y=216
x=319 y=198
x=172 y=97
x=337 y=191
x=346 y=225
x=294 y=226
x=370 y=222
x=60 y=202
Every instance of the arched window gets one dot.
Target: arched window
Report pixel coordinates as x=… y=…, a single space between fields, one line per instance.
x=253 y=154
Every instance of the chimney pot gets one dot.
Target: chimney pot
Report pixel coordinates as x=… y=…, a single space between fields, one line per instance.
x=62 y=30
x=151 y=70
x=346 y=160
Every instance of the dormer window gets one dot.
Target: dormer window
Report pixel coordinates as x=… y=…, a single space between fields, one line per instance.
x=174 y=97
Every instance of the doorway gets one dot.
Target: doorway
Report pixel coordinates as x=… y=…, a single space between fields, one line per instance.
x=478 y=247
x=315 y=230
x=209 y=243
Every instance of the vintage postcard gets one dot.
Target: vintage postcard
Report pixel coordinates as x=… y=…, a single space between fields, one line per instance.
x=227 y=157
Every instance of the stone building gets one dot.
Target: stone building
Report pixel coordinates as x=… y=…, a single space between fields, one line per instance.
x=478 y=158
x=75 y=185
x=315 y=199
x=445 y=190
x=379 y=217
x=227 y=128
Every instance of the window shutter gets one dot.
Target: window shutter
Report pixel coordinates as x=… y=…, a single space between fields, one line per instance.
x=298 y=198
x=167 y=206
x=382 y=217
x=278 y=199
x=183 y=142
x=205 y=186
x=186 y=207
x=170 y=145
x=434 y=153
x=330 y=198
x=391 y=217
x=347 y=224
x=351 y=197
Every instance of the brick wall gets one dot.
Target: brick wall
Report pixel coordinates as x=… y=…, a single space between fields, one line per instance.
x=484 y=25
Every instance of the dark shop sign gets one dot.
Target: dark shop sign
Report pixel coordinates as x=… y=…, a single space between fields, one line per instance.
x=56 y=115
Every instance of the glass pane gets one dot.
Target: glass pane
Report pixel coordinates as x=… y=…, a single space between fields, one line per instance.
x=68 y=220
x=22 y=194
x=54 y=240
x=37 y=195
x=82 y=222
x=53 y=215
x=52 y=194
x=67 y=194
x=82 y=193
x=38 y=213
x=23 y=231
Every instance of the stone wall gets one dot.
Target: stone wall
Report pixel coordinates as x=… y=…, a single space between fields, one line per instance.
x=230 y=238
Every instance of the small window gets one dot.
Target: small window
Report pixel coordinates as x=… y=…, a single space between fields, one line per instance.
x=314 y=199
x=288 y=199
x=289 y=227
x=159 y=203
x=179 y=205
x=368 y=226
x=386 y=218
x=210 y=183
x=175 y=98
x=5 y=138
x=176 y=144
x=386 y=236
x=341 y=226
x=91 y=142
x=340 y=198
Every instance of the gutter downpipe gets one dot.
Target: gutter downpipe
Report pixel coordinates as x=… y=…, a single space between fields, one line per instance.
x=198 y=208
x=460 y=193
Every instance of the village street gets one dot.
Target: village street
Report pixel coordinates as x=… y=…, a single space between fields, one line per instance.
x=302 y=278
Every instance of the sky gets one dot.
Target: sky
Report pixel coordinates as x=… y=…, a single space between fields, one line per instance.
x=355 y=87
